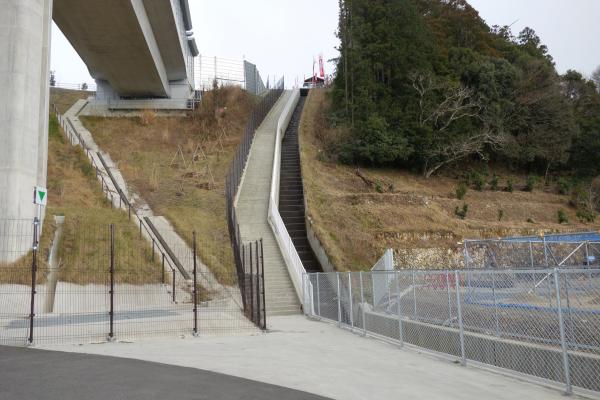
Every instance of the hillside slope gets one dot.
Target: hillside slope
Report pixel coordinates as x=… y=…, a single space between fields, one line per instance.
x=415 y=216
x=179 y=164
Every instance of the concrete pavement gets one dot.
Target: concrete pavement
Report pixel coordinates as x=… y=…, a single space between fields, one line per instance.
x=34 y=374
x=320 y=358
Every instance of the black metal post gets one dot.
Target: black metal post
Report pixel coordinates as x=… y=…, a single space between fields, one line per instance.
x=36 y=223
x=163 y=268
x=173 y=270
x=152 y=250
x=251 y=286
x=141 y=228
x=257 y=287
x=243 y=278
x=195 y=288
x=264 y=301
x=111 y=334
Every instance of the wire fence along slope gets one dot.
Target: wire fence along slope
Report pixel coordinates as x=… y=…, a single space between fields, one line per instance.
x=541 y=323
x=108 y=283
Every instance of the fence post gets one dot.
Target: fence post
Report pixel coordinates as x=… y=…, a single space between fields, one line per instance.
x=36 y=223
x=318 y=296
x=563 y=341
x=304 y=291
x=531 y=254
x=243 y=277
x=350 y=300
x=173 y=290
x=264 y=301
x=460 y=320
x=111 y=334
x=414 y=294
x=195 y=291
x=449 y=300
x=362 y=302
x=495 y=303
x=337 y=274
x=399 y=309
x=587 y=254
x=257 y=287
x=163 y=269
x=251 y=285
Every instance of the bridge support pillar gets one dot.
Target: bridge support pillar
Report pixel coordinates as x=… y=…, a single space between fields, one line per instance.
x=25 y=33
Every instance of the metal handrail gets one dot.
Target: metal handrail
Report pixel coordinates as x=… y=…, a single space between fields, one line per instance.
x=165 y=249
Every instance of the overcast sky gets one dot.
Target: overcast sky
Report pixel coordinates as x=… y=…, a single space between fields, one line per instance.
x=283 y=36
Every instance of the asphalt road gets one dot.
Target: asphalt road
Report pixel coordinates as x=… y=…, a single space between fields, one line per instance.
x=27 y=374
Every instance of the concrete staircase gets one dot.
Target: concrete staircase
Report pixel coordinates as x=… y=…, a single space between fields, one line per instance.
x=252 y=212
x=291 y=194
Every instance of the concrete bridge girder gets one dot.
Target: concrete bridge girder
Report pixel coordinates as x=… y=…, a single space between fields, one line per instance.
x=117 y=41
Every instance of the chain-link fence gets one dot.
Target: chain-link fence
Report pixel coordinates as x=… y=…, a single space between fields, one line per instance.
x=541 y=323
x=544 y=252
x=80 y=283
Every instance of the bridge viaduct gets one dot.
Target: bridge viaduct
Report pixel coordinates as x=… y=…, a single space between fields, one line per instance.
x=134 y=49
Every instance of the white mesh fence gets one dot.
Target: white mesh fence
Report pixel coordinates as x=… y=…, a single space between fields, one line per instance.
x=540 y=323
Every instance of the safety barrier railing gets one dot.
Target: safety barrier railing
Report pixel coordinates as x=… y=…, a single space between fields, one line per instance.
x=493 y=318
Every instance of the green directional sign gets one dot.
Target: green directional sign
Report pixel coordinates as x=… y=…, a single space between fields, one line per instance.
x=40 y=196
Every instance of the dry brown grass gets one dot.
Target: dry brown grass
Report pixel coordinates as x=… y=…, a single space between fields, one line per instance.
x=356 y=224
x=65 y=98
x=74 y=193
x=179 y=165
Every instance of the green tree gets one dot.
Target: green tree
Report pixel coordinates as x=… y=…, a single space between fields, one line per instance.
x=585 y=102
